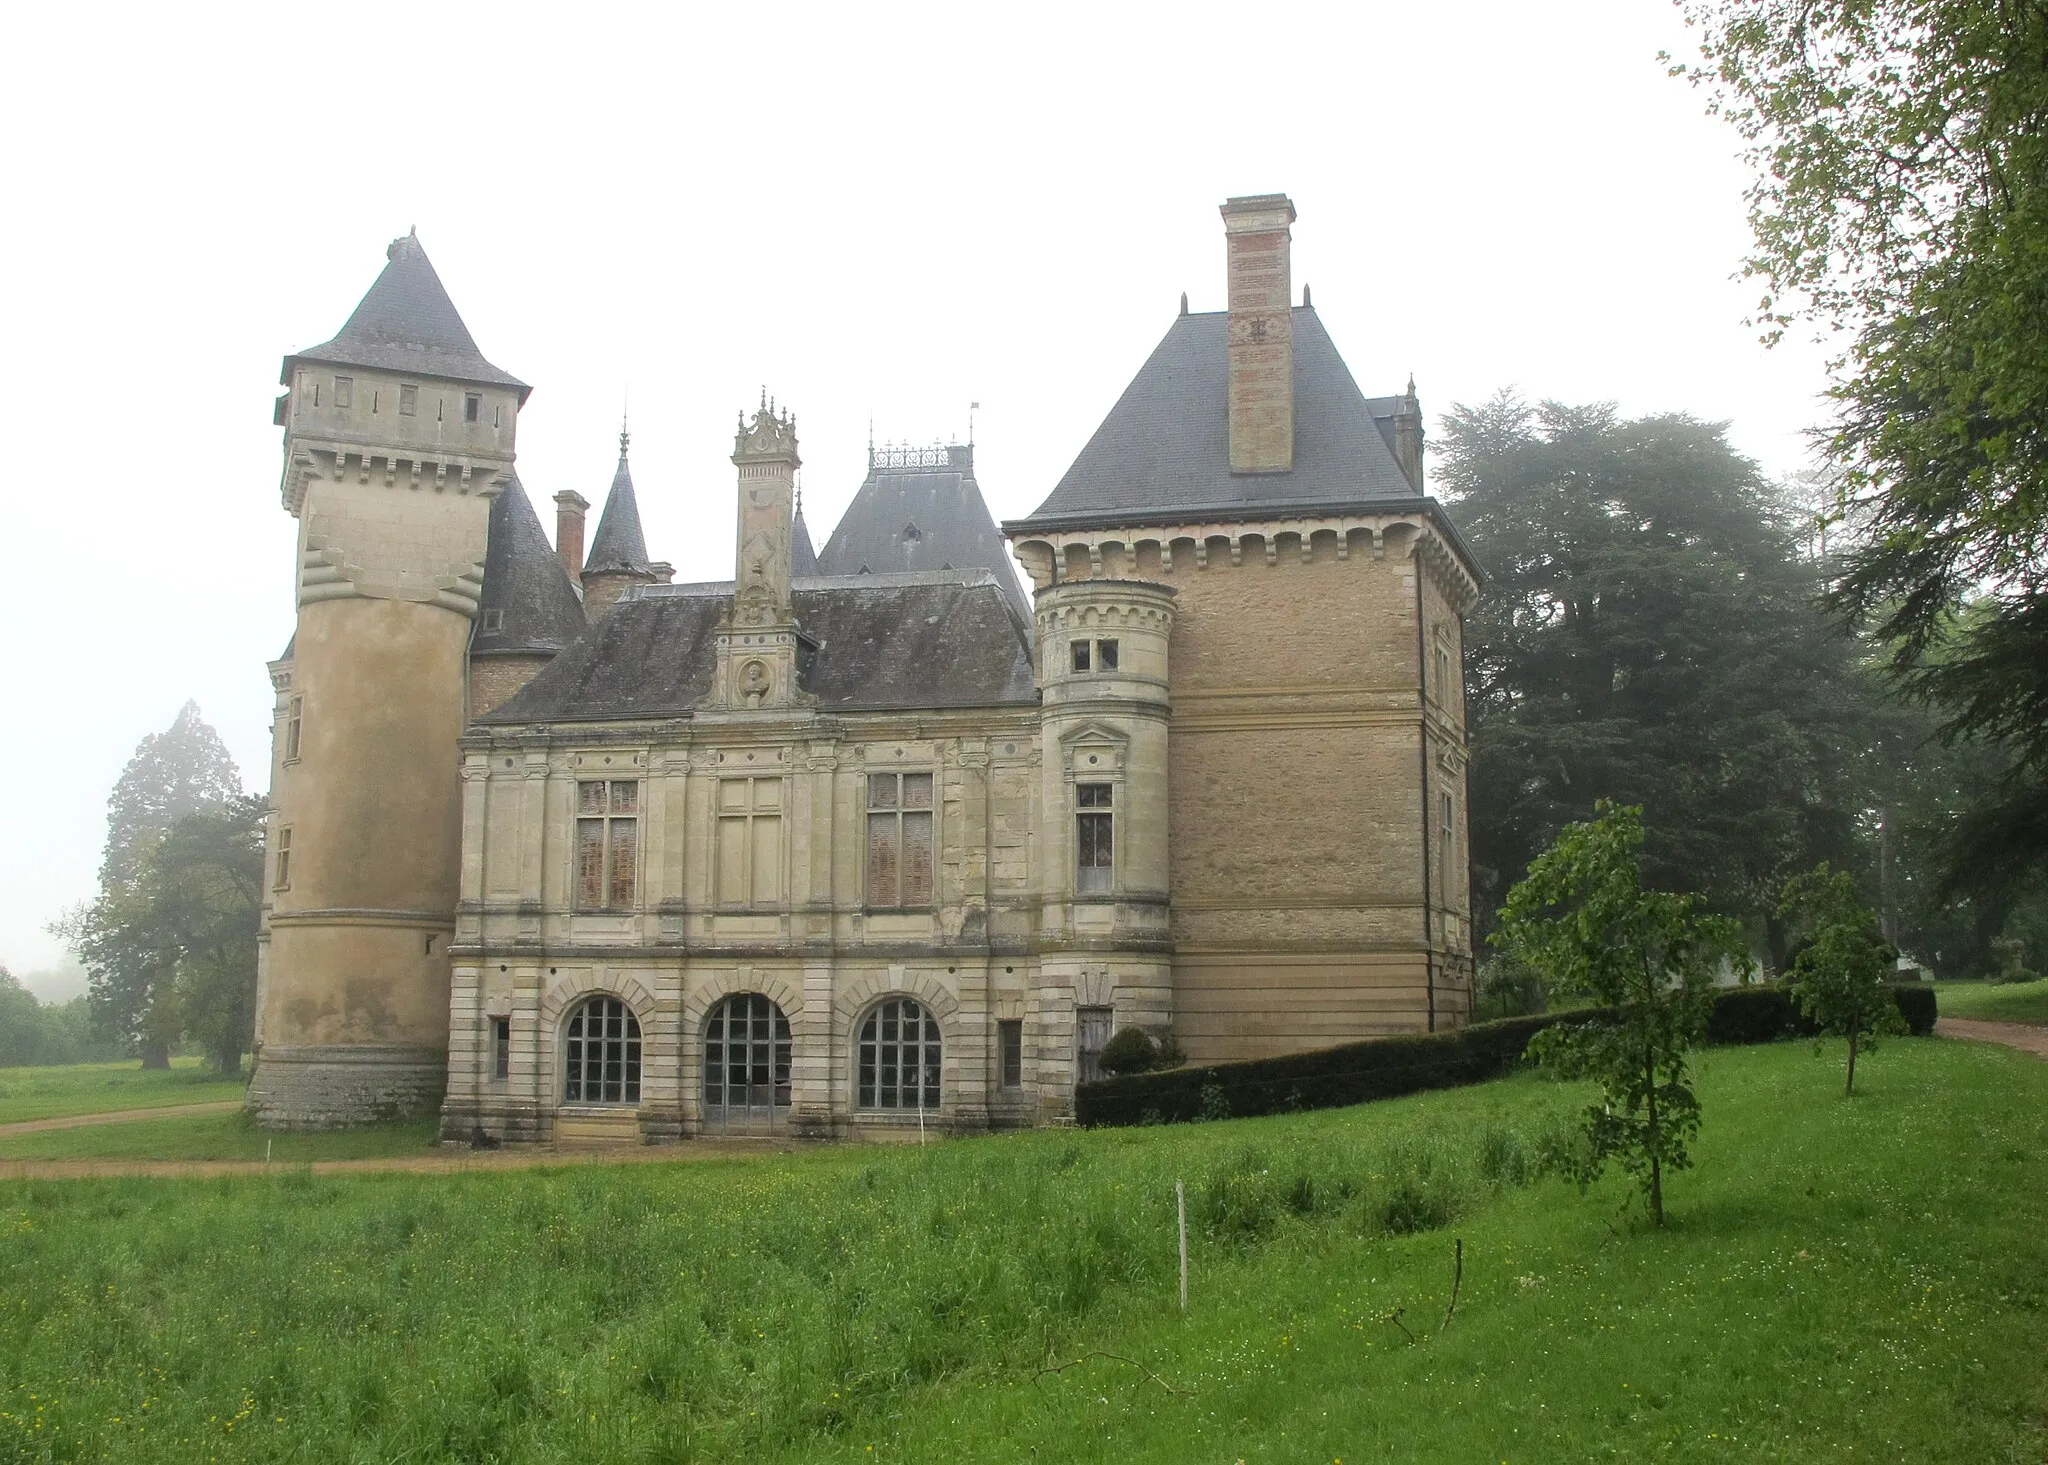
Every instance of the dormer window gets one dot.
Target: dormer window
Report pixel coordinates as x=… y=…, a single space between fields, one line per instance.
x=344 y=391
x=494 y=620
x=912 y=534
x=408 y=400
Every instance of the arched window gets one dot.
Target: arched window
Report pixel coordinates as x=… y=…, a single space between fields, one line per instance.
x=899 y=1056
x=746 y=1061
x=602 y=1064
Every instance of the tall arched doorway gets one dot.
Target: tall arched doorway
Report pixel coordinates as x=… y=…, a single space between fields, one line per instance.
x=746 y=1064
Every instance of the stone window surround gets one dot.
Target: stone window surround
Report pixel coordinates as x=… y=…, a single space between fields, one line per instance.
x=868 y=772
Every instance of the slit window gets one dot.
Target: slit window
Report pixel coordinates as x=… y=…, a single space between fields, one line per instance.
x=472 y=406
x=1095 y=845
x=607 y=843
x=1446 y=815
x=899 y=841
x=284 y=859
x=501 y=1048
x=294 y=723
x=408 y=400
x=1010 y=1053
x=344 y=391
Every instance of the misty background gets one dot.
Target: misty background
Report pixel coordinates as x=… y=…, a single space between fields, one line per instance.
x=877 y=213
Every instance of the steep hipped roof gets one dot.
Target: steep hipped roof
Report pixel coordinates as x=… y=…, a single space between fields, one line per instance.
x=1164 y=450
x=528 y=604
x=920 y=509
x=881 y=642
x=407 y=324
x=618 y=544
x=803 y=560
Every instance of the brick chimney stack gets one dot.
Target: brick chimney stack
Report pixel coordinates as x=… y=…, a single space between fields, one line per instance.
x=1256 y=238
x=570 y=507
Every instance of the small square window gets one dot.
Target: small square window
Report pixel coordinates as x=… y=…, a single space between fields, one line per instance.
x=408 y=401
x=472 y=406
x=1105 y=656
x=494 y=620
x=501 y=1047
x=344 y=391
x=1080 y=651
x=1010 y=1052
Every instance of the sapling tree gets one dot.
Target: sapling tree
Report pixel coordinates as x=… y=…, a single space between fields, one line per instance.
x=1841 y=975
x=1582 y=918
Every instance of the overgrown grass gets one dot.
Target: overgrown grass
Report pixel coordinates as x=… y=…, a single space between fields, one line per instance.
x=215 y=1137
x=1844 y=1279
x=100 y=1088
x=1995 y=1002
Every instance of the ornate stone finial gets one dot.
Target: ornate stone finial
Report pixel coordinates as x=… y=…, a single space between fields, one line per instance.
x=1307 y=300
x=768 y=436
x=1411 y=383
x=1183 y=302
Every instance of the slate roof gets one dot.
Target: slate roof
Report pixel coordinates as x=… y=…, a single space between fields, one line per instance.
x=619 y=543
x=909 y=519
x=877 y=642
x=407 y=324
x=524 y=582
x=1163 y=452
x=803 y=560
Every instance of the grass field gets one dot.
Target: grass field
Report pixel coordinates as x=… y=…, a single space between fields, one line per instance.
x=1994 y=1002
x=1845 y=1279
x=214 y=1137
x=100 y=1088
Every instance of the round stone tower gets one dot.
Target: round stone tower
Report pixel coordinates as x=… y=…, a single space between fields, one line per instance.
x=398 y=433
x=1102 y=658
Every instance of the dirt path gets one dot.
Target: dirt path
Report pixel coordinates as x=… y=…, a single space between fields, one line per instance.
x=2026 y=1037
x=117 y=1116
x=436 y=1162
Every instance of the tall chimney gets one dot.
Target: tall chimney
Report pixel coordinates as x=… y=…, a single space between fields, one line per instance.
x=570 y=507
x=1256 y=238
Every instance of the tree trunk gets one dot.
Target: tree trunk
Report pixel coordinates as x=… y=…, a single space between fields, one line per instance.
x=1656 y=1149
x=1851 y=1088
x=156 y=1053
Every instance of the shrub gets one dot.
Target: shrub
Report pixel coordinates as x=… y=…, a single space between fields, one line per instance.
x=1385 y=1068
x=1130 y=1051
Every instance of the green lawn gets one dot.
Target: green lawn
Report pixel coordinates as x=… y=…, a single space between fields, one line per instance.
x=1995 y=1002
x=214 y=1137
x=1844 y=1279
x=98 y=1088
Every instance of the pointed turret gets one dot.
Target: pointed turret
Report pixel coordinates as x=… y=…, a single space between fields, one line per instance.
x=529 y=610
x=408 y=325
x=803 y=559
x=618 y=551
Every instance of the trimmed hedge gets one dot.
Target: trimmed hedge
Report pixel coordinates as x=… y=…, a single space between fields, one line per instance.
x=1385 y=1068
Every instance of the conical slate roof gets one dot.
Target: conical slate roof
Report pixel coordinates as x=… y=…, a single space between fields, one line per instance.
x=803 y=560
x=920 y=509
x=619 y=544
x=407 y=324
x=527 y=604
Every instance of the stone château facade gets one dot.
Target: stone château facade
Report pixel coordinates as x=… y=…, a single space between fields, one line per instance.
x=863 y=841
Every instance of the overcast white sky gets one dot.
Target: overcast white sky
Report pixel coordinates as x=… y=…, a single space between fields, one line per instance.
x=873 y=209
